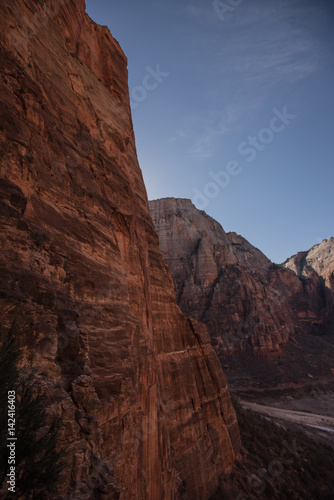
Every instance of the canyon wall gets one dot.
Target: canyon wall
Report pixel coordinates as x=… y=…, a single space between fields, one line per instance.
x=315 y=267
x=247 y=302
x=319 y=259
x=146 y=412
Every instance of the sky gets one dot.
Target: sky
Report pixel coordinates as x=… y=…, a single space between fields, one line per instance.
x=233 y=107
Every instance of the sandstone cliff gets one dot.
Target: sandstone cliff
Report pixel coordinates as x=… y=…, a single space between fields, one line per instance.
x=315 y=267
x=145 y=406
x=319 y=259
x=222 y=280
x=247 y=303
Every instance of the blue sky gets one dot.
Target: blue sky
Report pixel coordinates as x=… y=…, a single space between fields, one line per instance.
x=233 y=107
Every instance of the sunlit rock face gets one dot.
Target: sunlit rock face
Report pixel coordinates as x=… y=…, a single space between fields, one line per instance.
x=316 y=267
x=247 y=303
x=319 y=259
x=144 y=403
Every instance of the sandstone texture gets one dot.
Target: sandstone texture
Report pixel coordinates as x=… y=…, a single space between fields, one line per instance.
x=144 y=403
x=247 y=302
x=315 y=268
x=319 y=259
x=222 y=280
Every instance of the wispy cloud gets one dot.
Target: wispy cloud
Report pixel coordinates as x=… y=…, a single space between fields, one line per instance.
x=260 y=51
x=202 y=134
x=278 y=58
x=296 y=12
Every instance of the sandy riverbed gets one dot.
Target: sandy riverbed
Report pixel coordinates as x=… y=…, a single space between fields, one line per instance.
x=318 y=426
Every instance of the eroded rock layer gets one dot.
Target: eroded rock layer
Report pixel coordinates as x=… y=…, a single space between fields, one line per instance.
x=221 y=279
x=318 y=260
x=247 y=303
x=316 y=266
x=144 y=403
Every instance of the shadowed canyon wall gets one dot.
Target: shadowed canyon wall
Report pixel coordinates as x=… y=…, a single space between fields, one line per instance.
x=144 y=403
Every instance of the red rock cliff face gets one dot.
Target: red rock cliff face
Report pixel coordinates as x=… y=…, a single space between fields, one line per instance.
x=222 y=280
x=145 y=406
x=247 y=303
x=319 y=259
x=315 y=269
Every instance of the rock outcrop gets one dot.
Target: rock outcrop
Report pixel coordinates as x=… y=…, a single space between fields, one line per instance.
x=145 y=407
x=221 y=280
x=315 y=267
x=319 y=259
x=247 y=302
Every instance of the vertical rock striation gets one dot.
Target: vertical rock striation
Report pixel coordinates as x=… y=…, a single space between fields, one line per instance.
x=319 y=259
x=221 y=280
x=247 y=302
x=315 y=269
x=145 y=406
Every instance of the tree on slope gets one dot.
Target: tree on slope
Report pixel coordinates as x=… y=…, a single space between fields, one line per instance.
x=37 y=461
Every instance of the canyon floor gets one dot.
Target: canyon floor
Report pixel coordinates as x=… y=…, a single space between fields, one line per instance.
x=283 y=456
x=312 y=415
x=306 y=362
x=294 y=390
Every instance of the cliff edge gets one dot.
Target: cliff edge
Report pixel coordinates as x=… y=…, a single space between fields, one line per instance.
x=146 y=412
